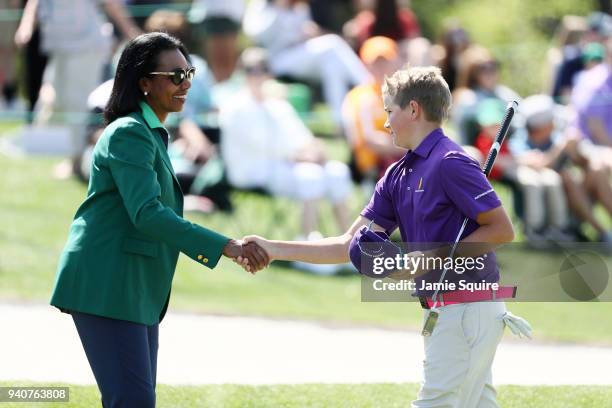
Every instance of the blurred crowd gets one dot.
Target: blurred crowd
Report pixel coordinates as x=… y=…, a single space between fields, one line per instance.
x=264 y=66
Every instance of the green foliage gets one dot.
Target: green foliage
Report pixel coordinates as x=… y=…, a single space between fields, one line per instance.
x=518 y=32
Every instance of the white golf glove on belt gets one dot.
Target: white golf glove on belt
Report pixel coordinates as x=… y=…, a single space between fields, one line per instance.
x=519 y=326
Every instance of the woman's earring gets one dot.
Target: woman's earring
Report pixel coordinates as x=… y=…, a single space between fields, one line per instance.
x=145 y=93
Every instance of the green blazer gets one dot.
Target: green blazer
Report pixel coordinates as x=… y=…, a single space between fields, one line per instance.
x=125 y=238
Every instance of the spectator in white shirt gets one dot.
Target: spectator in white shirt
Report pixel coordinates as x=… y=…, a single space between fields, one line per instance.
x=264 y=144
x=297 y=48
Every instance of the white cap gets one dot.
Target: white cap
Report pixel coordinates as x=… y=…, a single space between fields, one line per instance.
x=538 y=110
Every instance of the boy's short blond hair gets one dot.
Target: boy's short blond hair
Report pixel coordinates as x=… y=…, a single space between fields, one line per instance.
x=425 y=86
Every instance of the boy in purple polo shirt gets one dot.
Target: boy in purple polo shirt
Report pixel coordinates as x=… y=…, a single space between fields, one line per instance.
x=427 y=194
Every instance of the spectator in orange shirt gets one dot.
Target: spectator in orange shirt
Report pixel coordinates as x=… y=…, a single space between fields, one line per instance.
x=363 y=113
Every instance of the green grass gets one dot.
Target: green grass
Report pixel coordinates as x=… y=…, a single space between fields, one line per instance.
x=332 y=395
x=36 y=210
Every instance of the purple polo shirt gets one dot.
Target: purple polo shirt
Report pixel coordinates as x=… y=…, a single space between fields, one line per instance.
x=597 y=104
x=428 y=193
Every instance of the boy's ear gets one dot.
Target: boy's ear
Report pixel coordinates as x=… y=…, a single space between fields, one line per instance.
x=414 y=108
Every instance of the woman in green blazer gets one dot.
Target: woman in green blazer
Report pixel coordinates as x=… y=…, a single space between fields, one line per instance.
x=115 y=273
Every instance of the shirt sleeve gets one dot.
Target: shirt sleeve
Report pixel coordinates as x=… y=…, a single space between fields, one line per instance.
x=466 y=186
x=380 y=209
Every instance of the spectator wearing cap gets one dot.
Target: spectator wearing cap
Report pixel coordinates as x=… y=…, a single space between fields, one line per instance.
x=297 y=49
x=587 y=182
x=141 y=10
x=364 y=116
x=539 y=153
x=592 y=55
x=266 y=145
x=591 y=77
x=218 y=24
x=540 y=144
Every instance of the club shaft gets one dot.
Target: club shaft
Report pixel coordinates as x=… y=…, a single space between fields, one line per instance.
x=493 y=152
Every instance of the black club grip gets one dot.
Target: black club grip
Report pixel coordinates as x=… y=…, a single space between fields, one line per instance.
x=499 y=138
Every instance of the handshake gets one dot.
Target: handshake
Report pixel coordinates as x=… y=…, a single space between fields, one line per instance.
x=252 y=253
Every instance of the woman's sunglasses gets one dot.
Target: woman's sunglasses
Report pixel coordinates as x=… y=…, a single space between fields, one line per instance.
x=178 y=75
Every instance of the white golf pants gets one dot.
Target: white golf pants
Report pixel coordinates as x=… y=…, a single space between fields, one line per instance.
x=459 y=355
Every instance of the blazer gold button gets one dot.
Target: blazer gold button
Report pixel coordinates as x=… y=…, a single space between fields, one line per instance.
x=200 y=257
x=205 y=260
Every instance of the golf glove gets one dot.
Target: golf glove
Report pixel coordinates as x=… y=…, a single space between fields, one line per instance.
x=519 y=326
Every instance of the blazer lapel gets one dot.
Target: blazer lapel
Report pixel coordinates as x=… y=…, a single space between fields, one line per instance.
x=166 y=159
x=162 y=148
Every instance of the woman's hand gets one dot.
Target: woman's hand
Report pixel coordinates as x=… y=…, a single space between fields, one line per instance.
x=251 y=256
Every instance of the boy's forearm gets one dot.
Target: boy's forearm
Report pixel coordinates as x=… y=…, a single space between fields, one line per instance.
x=332 y=250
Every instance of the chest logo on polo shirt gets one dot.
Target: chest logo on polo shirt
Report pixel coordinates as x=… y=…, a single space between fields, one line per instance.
x=420 y=187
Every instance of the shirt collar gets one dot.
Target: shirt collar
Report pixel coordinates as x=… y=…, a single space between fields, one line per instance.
x=425 y=147
x=149 y=116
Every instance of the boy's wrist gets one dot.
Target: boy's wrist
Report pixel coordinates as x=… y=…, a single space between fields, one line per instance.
x=274 y=249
